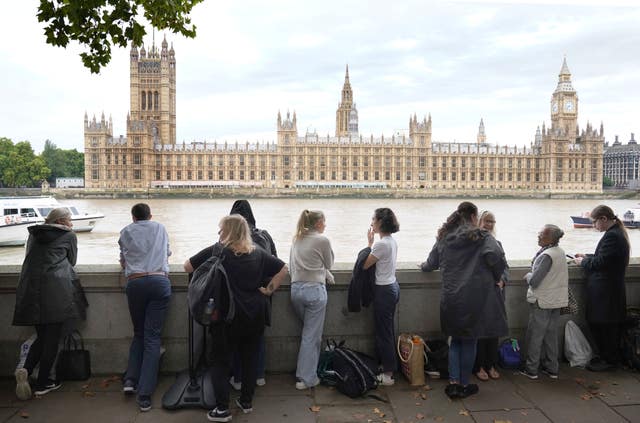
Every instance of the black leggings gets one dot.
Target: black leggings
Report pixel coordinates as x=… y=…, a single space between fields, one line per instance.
x=44 y=351
x=486 y=354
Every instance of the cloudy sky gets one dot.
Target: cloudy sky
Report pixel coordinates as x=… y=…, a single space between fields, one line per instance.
x=459 y=61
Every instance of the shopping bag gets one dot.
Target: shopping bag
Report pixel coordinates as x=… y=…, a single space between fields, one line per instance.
x=411 y=353
x=74 y=362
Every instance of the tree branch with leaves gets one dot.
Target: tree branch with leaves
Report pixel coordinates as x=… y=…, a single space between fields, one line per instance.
x=97 y=25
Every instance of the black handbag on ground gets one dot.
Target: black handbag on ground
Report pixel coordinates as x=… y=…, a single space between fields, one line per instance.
x=74 y=362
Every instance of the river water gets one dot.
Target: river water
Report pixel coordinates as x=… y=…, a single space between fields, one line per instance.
x=193 y=224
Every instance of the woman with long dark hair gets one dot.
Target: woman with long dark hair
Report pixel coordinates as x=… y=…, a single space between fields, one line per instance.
x=471 y=262
x=386 y=293
x=606 y=296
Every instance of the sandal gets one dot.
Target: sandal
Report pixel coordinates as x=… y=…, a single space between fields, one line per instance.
x=493 y=373
x=482 y=375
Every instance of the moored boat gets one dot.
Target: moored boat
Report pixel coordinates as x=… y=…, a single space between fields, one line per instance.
x=631 y=218
x=13 y=229
x=583 y=221
x=35 y=209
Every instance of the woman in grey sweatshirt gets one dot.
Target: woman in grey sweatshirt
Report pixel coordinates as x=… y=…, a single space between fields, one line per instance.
x=310 y=260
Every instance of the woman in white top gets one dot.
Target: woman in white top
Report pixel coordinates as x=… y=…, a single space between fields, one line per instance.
x=310 y=260
x=387 y=291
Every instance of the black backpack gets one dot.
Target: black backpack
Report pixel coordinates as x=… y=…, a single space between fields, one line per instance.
x=209 y=282
x=353 y=373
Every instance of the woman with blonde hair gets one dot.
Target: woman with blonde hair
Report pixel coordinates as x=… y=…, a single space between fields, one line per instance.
x=487 y=349
x=606 y=296
x=310 y=260
x=44 y=297
x=246 y=267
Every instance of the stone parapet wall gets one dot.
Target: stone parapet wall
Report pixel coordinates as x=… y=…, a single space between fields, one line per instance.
x=107 y=330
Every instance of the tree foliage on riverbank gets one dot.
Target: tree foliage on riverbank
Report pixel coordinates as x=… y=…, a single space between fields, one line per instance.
x=97 y=25
x=63 y=163
x=19 y=166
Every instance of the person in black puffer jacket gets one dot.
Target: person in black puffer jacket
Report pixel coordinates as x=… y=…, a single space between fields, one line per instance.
x=45 y=296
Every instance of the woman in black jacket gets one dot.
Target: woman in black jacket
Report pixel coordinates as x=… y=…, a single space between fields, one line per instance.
x=44 y=297
x=471 y=262
x=606 y=296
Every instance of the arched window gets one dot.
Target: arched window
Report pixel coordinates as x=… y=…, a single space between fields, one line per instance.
x=156 y=100
x=143 y=98
x=150 y=100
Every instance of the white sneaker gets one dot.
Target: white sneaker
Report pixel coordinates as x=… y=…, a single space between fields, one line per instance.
x=301 y=386
x=385 y=380
x=236 y=385
x=261 y=381
x=23 y=390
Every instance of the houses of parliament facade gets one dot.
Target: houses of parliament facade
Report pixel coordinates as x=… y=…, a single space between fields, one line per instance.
x=561 y=159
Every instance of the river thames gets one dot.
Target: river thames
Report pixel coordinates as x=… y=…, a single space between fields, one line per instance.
x=192 y=224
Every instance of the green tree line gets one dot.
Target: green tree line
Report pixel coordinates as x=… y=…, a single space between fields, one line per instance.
x=21 y=167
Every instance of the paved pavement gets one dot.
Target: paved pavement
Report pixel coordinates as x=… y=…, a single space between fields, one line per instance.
x=578 y=396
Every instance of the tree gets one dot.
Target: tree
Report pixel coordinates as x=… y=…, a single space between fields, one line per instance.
x=19 y=166
x=99 y=24
x=62 y=162
x=607 y=182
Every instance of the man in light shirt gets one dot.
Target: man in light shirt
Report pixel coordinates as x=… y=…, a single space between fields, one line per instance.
x=144 y=253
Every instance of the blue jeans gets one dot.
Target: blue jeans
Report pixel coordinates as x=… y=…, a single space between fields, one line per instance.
x=310 y=304
x=148 y=299
x=462 y=355
x=385 y=299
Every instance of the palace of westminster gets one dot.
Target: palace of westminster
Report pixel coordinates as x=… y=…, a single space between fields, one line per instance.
x=562 y=159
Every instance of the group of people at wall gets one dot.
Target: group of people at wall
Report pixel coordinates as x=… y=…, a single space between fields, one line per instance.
x=472 y=310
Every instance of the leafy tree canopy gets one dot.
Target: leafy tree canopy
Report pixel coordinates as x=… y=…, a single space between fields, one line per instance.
x=19 y=166
x=99 y=24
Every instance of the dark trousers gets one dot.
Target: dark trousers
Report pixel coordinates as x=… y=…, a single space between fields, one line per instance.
x=242 y=335
x=607 y=339
x=486 y=354
x=384 y=309
x=44 y=351
x=148 y=299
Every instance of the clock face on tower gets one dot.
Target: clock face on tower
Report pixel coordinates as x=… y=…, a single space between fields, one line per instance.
x=568 y=106
x=554 y=107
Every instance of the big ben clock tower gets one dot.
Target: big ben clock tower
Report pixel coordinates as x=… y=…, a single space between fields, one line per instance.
x=564 y=105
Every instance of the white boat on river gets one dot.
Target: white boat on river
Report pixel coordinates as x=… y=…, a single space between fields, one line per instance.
x=18 y=213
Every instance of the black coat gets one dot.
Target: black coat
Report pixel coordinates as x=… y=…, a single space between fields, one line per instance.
x=606 y=296
x=471 y=304
x=362 y=283
x=45 y=292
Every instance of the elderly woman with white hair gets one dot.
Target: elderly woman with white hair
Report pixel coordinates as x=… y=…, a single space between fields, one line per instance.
x=44 y=297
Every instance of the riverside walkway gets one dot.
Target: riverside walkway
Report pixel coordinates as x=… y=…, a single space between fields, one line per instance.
x=578 y=396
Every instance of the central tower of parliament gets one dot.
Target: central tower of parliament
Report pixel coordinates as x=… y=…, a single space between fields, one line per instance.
x=561 y=159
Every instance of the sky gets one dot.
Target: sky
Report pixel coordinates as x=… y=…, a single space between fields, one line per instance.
x=458 y=61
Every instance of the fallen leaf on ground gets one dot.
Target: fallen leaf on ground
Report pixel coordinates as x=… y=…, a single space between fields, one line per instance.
x=24 y=414
x=580 y=380
x=115 y=378
x=420 y=416
x=423 y=396
x=85 y=386
x=506 y=409
x=426 y=387
x=314 y=408
x=418 y=403
x=463 y=413
x=89 y=394
x=359 y=416
x=586 y=397
x=502 y=421
x=524 y=413
x=376 y=410
x=438 y=418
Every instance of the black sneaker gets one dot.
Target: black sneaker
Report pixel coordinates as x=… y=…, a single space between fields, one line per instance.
x=217 y=415
x=470 y=389
x=245 y=407
x=528 y=374
x=51 y=385
x=598 y=365
x=144 y=402
x=129 y=387
x=549 y=373
x=453 y=390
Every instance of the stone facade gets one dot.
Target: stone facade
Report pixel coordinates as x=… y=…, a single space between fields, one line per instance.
x=560 y=160
x=622 y=163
